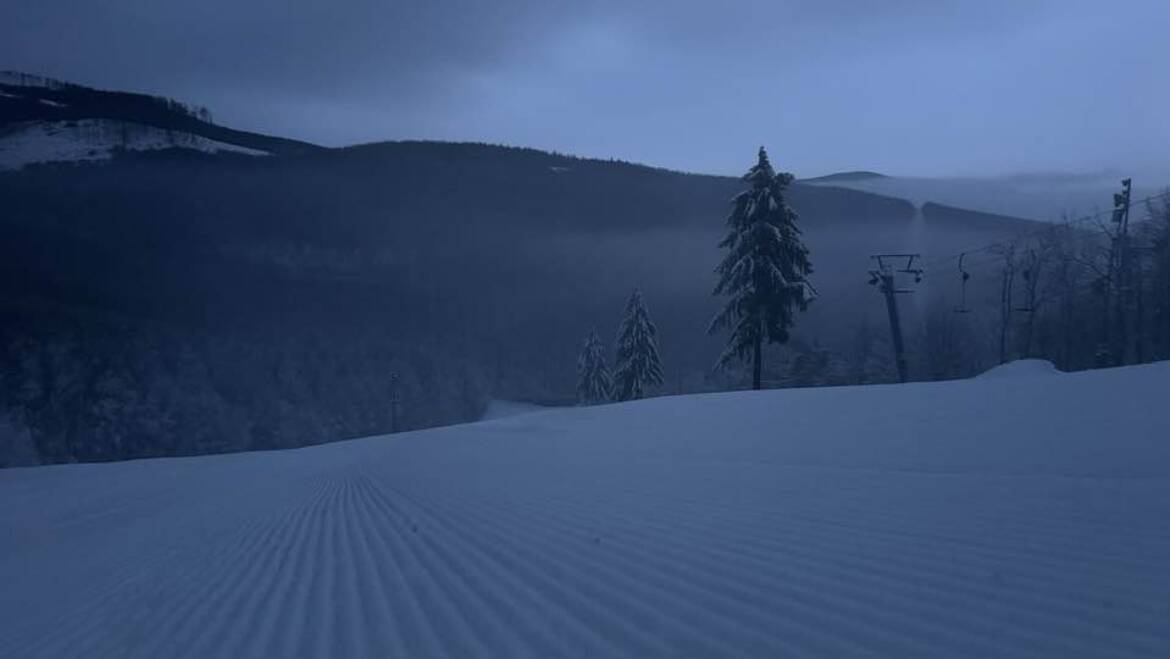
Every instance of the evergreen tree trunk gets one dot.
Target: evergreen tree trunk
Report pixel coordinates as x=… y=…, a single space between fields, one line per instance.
x=757 y=362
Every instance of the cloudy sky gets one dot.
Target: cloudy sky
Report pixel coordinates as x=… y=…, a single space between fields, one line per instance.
x=916 y=87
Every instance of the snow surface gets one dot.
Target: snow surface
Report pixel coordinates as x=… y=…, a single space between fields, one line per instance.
x=95 y=139
x=502 y=409
x=1023 y=368
x=985 y=518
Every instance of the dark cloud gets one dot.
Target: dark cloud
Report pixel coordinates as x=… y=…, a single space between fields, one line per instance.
x=911 y=86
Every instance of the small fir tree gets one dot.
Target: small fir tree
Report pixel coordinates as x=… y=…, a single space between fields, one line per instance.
x=593 y=381
x=638 y=364
x=765 y=271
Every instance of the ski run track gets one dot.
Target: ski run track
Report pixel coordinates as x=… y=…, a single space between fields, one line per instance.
x=1026 y=514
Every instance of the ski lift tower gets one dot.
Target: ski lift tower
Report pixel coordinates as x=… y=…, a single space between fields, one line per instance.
x=883 y=276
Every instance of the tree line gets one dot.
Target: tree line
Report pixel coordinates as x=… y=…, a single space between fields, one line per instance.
x=83 y=391
x=1079 y=295
x=96 y=385
x=764 y=275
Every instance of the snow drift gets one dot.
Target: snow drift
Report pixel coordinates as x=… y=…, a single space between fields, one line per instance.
x=1022 y=368
x=1008 y=516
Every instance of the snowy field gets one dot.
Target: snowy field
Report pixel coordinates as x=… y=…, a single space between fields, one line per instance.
x=95 y=139
x=1025 y=513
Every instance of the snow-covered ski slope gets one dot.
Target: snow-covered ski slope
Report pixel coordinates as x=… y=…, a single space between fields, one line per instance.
x=1026 y=514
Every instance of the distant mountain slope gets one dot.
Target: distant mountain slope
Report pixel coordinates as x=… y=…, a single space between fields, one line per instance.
x=45 y=120
x=965 y=220
x=1044 y=197
x=839 y=177
x=1019 y=515
x=34 y=142
x=277 y=295
x=294 y=285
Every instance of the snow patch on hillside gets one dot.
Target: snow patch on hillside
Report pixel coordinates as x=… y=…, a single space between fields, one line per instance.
x=95 y=139
x=992 y=517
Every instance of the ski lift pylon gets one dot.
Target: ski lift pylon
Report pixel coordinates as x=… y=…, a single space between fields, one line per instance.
x=963 y=277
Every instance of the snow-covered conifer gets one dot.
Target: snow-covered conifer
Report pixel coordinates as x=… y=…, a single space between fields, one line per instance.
x=638 y=364
x=765 y=270
x=593 y=381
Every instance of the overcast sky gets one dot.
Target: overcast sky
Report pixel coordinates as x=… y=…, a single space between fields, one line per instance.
x=917 y=87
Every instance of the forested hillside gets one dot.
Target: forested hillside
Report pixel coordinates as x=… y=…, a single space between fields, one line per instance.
x=175 y=302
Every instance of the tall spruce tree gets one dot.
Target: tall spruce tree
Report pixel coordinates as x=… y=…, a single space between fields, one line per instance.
x=593 y=382
x=765 y=271
x=638 y=364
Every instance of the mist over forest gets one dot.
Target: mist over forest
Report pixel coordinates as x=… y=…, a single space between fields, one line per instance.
x=175 y=292
x=458 y=329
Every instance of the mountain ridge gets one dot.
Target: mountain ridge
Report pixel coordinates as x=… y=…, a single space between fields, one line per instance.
x=276 y=294
x=28 y=101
